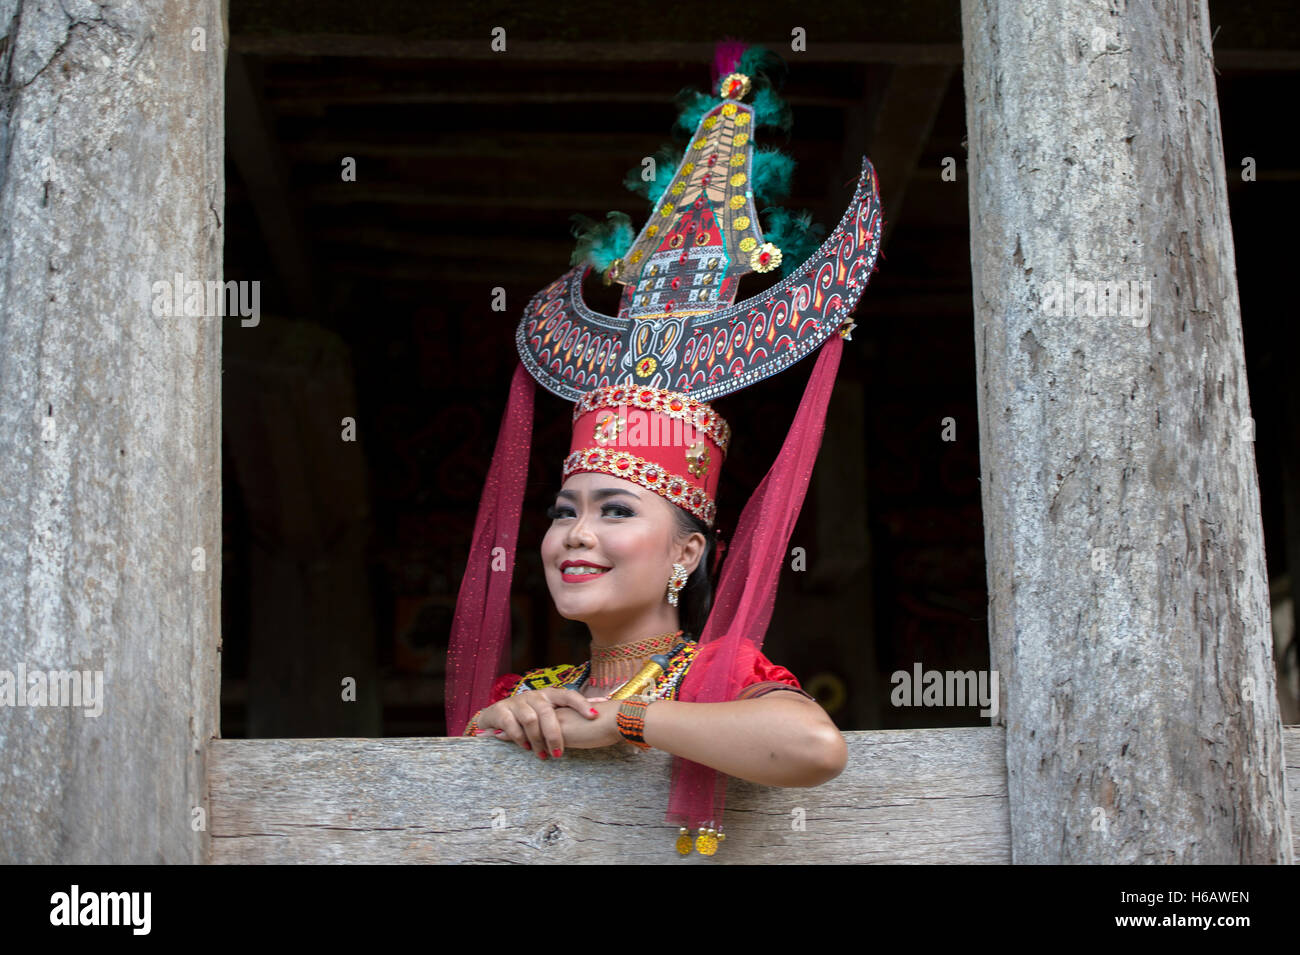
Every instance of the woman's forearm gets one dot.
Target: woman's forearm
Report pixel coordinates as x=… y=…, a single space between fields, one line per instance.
x=780 y=739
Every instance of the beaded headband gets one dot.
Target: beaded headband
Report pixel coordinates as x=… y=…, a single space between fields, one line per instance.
x=665 y=442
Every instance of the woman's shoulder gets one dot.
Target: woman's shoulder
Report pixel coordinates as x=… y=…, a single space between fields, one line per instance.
x=747 y=654
x=753 y=664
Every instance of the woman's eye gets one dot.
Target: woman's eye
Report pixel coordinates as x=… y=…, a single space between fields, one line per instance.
x=555 y=512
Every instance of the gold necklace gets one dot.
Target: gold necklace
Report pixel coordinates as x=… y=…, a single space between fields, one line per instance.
x=614 y=666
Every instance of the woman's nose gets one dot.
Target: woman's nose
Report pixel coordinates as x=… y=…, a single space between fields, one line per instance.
x=580 y=530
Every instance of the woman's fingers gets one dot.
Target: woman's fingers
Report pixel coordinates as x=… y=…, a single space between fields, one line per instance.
x=531 y=721
x=575 y=700
x=513 y=729
x=548 y=726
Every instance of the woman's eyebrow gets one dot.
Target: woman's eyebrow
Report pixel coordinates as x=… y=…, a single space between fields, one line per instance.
x=600 y=493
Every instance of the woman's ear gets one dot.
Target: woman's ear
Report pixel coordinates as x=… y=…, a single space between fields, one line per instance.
x=692 y=552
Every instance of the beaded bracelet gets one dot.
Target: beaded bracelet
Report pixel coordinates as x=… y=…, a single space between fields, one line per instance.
x=472 y=726
x=631 y=722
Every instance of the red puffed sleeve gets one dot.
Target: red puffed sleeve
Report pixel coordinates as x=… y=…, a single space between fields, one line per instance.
x=502 y=686
x=761 y=675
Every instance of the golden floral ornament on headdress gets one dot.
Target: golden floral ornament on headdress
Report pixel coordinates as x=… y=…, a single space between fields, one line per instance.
x=608 y=428
x=697 y=459
x=765 y=258
x=735 y=86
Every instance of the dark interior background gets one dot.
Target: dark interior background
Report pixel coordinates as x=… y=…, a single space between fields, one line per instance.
x=342 y=558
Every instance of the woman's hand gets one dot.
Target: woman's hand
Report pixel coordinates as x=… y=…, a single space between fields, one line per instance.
x=591 y=732
x=531 y=718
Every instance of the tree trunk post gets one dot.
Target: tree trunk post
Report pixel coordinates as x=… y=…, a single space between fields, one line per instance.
x=111 y=181
x=1128 y=597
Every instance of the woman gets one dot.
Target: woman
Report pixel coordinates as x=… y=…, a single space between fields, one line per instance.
x=673 y=666
x=773 y=733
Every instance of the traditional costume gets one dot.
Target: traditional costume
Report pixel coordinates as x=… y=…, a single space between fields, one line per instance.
x=678 y=341
x=759 y=674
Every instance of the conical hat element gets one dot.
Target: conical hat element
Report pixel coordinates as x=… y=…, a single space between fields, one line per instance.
x=679 y=327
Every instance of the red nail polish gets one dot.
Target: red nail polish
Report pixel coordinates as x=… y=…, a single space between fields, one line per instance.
x=541 y=754
x=528 y=745
x=594 y=712
x=555 y=753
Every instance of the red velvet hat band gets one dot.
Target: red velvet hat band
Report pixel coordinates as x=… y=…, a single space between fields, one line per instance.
x=666 y=442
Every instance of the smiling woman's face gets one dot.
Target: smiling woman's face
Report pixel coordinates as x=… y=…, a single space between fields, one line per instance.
x=623 y=528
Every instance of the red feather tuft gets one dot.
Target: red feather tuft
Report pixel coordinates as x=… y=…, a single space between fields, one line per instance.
x=726 y=58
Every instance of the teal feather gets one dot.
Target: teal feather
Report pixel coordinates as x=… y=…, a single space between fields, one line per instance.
x=772 y=169
x=763 y=67
x=600 y=243
x=770 y=176
x=771 y=111
x=667 y=158
x=795 y=234
x=691 y=107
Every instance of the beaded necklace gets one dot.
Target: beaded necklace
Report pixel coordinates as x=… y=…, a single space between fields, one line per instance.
x=611 y=667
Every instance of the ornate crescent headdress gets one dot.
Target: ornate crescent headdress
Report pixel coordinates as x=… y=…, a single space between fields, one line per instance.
x=679 y=340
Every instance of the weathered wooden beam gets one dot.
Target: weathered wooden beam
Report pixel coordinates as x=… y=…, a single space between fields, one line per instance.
x=907 y=796
x=396 y=194
x=575 y=148
x=315 y=102
x=913 y=796
x=1128 y=598
x=653 y=52
x=521 y=50
x=111 y=179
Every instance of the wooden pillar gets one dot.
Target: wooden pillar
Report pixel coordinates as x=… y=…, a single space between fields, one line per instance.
x=1129 y=611
x=111 y=180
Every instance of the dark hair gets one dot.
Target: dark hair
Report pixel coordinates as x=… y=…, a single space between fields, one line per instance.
x=696 y=598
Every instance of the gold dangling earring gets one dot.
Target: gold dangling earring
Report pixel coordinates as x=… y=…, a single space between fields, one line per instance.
x=676 y=583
